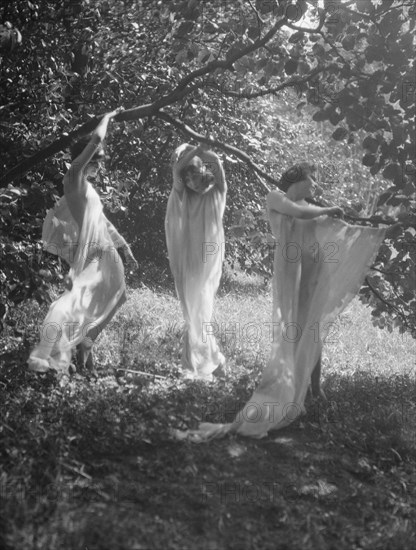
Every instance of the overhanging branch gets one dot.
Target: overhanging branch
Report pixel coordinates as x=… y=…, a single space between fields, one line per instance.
x=65 y=141
x=230 y=149
x=385 y=302
x=231 y=57
x=182 y=89
x=293 y=83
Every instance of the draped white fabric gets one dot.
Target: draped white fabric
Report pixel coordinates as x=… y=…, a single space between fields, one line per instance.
x=319 y=266
x=195 y=242
x=97 y=273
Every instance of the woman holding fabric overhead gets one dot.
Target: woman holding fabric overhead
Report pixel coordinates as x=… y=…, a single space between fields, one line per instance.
x=319 y=265
x=78 y=231
x=195 y=241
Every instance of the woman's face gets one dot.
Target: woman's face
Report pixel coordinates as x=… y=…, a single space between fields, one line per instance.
x=197 y=177
x=92 y=168
x=303 y=189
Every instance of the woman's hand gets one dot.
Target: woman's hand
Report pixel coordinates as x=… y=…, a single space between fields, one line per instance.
x=131 y=266
x=101 y=129
x=203 y=147
x=114 y=113
x=68 y=284
x=335 y=212
x=131 y=262
x=206 y=154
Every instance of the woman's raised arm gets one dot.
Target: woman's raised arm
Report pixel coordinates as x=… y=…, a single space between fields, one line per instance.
x=187 y=157
x=214 y=165
x=277 y=201
x=73 y=180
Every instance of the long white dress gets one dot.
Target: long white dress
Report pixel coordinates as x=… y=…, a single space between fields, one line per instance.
x=319 y=266
x=195 y=242
x=97 y=274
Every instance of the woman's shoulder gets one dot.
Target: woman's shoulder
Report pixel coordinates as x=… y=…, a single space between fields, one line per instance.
x=275 y=199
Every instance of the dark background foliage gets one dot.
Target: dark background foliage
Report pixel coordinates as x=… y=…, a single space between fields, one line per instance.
x=337 y=88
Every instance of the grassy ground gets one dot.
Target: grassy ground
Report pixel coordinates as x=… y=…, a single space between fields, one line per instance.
x=92 y=465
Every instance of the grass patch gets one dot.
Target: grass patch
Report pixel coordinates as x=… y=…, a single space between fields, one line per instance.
x=92 y=464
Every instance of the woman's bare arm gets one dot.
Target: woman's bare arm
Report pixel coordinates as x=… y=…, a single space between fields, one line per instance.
x=278 y=202
x=179 y=165
x=120 y=242
x=73 y=179
x=187 y=157
x=213 y=163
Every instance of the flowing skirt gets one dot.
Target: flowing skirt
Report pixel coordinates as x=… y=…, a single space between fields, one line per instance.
x=195 y=241
x=98 y=286
x=319 y=266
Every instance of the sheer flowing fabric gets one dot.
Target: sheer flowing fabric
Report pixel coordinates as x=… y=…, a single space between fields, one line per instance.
x=195 y=242
x=97 y=274
x=319 y=266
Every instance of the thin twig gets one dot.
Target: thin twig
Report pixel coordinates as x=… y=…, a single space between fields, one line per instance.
x=259 y=19
x=382 y=299
x=143 y=373
x=289 y=83
x=76 y=470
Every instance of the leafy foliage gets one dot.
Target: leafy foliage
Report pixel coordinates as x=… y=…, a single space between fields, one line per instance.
x=224 y=68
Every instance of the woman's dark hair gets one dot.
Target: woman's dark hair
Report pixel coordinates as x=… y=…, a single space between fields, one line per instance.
x=295 y=173
x=77 y=147
x=191 y=170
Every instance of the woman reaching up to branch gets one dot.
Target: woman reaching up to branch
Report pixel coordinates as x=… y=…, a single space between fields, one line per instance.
x=195 y=242
x=78 y=231
x=299 y=185
x=319 y=265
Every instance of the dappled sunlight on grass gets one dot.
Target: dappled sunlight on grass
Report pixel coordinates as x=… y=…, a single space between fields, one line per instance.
x=148 y=330
x=356 y=345
x=92 y=464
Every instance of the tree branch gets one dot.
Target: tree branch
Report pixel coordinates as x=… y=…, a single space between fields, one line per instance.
x=65 y=141
x=289 y=83
x=334 y=48
x=230 y=149
x=259 y=19
x=382 y=299
x=372 y=220
x=181 y=90
x=224 y=64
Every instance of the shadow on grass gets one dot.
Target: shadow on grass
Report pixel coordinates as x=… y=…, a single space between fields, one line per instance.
x=94 y=465
x=234 y=282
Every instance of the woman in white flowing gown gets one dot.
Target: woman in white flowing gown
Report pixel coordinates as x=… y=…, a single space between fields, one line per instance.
x=78 y=231
x=319 y=265
x=195 y=242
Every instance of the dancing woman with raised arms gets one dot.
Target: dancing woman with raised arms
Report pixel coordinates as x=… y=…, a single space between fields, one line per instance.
x=195 y=241
x=78 y=231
